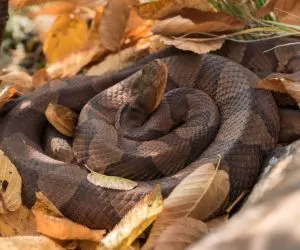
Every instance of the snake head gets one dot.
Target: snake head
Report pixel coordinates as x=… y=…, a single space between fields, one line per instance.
x=149 y=88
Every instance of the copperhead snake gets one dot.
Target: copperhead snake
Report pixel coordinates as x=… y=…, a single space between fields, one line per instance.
x=248 y=126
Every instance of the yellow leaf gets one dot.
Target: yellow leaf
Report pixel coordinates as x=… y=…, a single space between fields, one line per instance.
x=20 y=222
x=64 y=229
x=11 y=182
x=68 y=34
x=43 y=204
x=62 y=118
x=110 y=182
x=198 y=195
x=72 y=64
x=113 y=23
x=134 y=222
x=28 y=243
x=180 y=234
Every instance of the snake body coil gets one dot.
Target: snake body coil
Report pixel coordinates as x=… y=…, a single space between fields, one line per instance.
x=249 y=124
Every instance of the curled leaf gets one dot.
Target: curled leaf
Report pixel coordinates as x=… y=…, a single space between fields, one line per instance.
x=113 y=23
x=10 y=184
x=282 y=83
x=110 y=182
x=62 y=118
x=64 y=229
x=134 y=222
x=194 y=46
x=198 y=195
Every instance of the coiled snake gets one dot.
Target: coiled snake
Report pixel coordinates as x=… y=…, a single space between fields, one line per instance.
x=239 y=122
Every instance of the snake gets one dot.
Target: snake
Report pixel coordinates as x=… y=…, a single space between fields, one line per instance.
x=154 y=122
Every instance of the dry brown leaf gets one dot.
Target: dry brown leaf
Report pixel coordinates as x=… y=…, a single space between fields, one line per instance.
x=29 y=243
x=196 y=47
x=64 y=229
x=6 y=93
x=214 y=223
x=113 y=23
x=162 y=8
x=116 y=62
x=206 y=22
x=198 y=195
x=183 y=232
x=20 y=222
x=287 y=11
x=20 y=80
x=72 y=64
x=11 y=183
x=134 y=222
x=154 y=9
x=67 y=35
x=282 y=83
x=39 y=78
x=62 y=118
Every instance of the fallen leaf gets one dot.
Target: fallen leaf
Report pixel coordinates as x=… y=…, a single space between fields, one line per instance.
x=134 y=222
x=196 y=47
x=214 y=223
x=17 y=223
x=285 y=11
x=180 y=234
x=7 y=91
x=161 y=8
x=198 y=195
x=19 y=80
x=73 y=63
x=206 y=22
x=43 y=204
x=28 y=243
x=110 y=182
x=282 y=83
x=11 y=183
x=39 y=78
x=113 y=23
x=64 y=229
x=62 y=118
x=63 y=37
x=42 y=24
x=116 y=62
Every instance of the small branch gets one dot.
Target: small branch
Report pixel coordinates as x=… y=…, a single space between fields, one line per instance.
x=3 y=17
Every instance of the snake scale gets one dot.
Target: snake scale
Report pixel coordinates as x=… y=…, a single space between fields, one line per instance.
x=248 y=125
